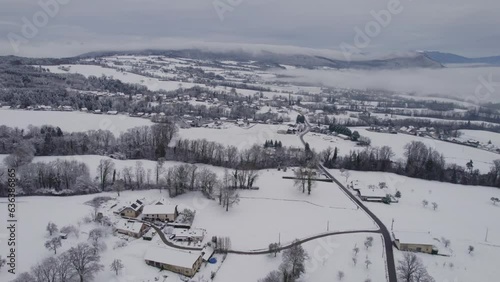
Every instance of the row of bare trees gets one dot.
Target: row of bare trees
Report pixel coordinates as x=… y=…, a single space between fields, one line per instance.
x=80 y=263
x=61 y=176
x=421 y=161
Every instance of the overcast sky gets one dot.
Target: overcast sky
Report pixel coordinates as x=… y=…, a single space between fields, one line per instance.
x=461 y=26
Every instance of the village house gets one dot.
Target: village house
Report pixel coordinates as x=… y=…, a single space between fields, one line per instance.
x=371 y=195
x=190 y=235
x=160 y=212
x=133 y=210
x=415 y=242
x=182 y=262
x=130 y=228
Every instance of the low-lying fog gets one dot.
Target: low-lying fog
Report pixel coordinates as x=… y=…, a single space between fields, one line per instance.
x=476 y=84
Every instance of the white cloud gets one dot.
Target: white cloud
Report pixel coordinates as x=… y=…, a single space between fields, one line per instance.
x=462 y=82
x=454 y=25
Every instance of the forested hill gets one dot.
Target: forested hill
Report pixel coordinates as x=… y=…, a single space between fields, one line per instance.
x=16 y=61
x=24 y=84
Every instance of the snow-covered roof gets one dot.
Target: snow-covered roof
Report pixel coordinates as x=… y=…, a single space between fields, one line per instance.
x=187 y=233
x=172 y=257
x=129 y=225
x=207 y=252
x=136 y=205
x=366 y=192
x=159 y=209
x=418 y=238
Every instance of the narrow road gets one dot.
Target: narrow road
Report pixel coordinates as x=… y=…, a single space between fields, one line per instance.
x=300 y=242
x=391 y=267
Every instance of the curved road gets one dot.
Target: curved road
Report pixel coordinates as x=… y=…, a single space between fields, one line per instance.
x=300 y=242
x=391 y=267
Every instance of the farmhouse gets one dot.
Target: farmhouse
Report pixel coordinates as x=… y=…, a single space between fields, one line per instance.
x=182 y=262
x=131 y=228
x=371 y=195
x=191 y=235
x=160 y=212
x=133 y=210
x=415 y=242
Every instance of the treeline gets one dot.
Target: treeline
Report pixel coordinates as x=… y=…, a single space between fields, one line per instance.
x=421 y=162
x=216 y=154
x=25 y=85
x=59 y=177
x=146 y=142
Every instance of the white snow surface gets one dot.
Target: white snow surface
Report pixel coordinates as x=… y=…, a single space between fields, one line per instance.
x=70 y=121
x=464 y=215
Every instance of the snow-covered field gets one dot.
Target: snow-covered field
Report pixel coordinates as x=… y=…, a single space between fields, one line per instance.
x=70 y=121
x=152 y=84
x=261 y=217
x=453 y=153
x=242 y=137
x=482 y=136
x=327 y=256
x=464 y=215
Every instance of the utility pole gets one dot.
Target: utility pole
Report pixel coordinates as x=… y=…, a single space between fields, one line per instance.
x=486 y=238
x=392 y=225
x=328 y=226
x=279 y=239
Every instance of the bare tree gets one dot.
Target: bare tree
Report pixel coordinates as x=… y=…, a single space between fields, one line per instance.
x=119 y=186
x=368 y=242
x=53 y=244
x=294 y=260
x=159 y=170
x=495 y=200
x=95 y=236
x=46 y=270
x=207 y=181
x=346 y=174
x=273 y=247
x=25 y=277
x=230 y=197
x=446 y=242
x=104 y=170
x=340 y=275
x=367 y=263
x=411 y=268
x=471 y=249
x=116 y=266
x=434 y=205
x=52 y=228
x=23 y=154
x=311 y=182
x=65 y=272
x=354 y=260
x=70 y=229
x=355 y=250
x=300 y=178
x=274 y=276
x=84 y=261
x=139 y=174
x=425 y=203
x=127 y=176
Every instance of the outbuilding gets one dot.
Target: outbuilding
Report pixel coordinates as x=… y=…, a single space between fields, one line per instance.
x=421 y=242
x=186 y=263
x=160 y=212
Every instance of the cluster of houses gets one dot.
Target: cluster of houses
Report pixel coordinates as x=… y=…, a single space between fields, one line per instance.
x=135 y=221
